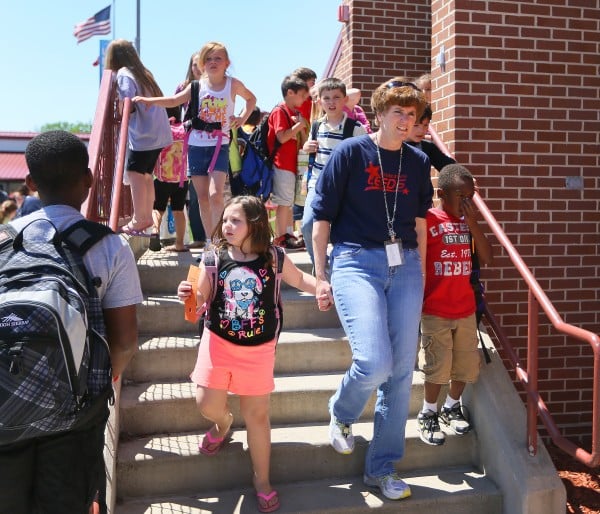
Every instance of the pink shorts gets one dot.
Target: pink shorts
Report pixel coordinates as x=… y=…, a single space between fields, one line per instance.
x=243 y=370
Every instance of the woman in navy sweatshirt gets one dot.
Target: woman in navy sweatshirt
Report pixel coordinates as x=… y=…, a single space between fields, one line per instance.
x=370 y=202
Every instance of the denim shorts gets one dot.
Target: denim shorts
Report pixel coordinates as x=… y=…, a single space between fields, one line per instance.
x=199 y=158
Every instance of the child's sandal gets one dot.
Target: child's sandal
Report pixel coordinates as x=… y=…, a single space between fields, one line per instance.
x=211 y=445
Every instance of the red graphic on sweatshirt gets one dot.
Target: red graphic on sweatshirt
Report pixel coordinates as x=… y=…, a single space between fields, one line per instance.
x=389 y=181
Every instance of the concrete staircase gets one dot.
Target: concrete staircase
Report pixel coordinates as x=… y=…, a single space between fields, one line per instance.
x=159 y=468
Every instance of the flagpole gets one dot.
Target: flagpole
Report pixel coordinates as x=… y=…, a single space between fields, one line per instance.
x=137 y=35
x=114 y=18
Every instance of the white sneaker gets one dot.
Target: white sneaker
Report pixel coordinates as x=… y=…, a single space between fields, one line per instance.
x=429 y=428
x=340 y=436
x=454 y=419
x=391 y=486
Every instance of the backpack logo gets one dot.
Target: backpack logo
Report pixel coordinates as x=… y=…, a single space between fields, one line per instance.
x=12 y=320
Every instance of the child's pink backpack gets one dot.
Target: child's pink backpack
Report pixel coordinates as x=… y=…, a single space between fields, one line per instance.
x=172 y=161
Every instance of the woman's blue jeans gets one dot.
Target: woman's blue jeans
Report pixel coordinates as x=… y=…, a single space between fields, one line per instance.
x=380 y=309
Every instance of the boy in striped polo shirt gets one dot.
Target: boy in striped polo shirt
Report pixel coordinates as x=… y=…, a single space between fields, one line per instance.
x=326 y=133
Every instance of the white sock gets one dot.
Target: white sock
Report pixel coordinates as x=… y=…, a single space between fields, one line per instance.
x=429 y=406
x=450 y=402
x=290 y=230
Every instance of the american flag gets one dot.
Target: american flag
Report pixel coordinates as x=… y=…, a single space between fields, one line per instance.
x=94 y=26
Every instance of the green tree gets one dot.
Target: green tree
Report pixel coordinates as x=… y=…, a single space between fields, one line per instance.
x=75 y=128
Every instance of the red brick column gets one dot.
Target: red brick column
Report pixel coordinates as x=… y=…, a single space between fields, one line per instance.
x=518 y=104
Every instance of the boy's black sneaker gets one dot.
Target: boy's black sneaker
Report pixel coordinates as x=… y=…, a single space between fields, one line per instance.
x=429 y=428
x=454 y=419
x=289 y=242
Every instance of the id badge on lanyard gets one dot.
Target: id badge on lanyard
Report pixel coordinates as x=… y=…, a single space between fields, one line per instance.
x=394 y=253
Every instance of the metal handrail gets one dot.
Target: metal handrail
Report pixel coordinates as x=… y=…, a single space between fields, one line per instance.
x=120 y=165
x=529 y=378
x=109 y=200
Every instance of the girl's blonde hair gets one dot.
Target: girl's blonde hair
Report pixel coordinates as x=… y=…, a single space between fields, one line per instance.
x=209 y=47
x=259 y=230
x=122 y=54
x=398 y=91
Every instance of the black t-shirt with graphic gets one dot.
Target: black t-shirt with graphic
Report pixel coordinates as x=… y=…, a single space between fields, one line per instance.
x=244 y=311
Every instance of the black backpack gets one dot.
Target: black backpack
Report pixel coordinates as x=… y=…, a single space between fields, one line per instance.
x=55 y=372
x=258 y=138
x=191 y=112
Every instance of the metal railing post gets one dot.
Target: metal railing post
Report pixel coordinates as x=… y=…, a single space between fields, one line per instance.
x=532 y=372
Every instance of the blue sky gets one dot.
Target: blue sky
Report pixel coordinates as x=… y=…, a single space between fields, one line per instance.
x=48 y=77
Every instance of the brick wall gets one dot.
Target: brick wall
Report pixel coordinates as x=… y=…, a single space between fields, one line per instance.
x=519 y=105
x=383 y=39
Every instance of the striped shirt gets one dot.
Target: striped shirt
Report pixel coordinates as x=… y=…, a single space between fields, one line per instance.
x=328 y=137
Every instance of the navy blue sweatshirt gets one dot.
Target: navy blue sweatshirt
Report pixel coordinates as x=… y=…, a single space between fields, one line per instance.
x=349 y=193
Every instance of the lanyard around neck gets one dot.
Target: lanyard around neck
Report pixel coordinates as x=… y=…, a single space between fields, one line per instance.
x=390 y=219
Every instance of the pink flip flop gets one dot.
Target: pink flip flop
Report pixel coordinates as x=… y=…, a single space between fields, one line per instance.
x=130 y=231
x=268 y=502
x=211 y=445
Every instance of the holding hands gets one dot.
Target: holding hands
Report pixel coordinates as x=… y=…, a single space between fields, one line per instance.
x=324 y=296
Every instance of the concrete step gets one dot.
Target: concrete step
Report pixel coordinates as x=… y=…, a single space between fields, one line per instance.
x=448 y=491
x=154 y=408
x=171 y=464
x=161 y=272
x=163 y=314
x=298 y=351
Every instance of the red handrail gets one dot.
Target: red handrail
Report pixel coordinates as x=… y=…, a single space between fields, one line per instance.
x=119 y=169
x=529 y=378
x=109 y=200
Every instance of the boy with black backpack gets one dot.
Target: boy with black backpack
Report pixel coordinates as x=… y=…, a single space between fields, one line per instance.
x=325 y=134
x=68 y=294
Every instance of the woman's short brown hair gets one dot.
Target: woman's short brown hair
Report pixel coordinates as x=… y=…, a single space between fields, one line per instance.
x=398 y=91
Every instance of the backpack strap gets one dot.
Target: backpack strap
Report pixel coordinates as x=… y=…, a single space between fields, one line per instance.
x=210 y=259
x=477 y=287
x=84 y=234
x=192 y=110
x=78 y=238
x=348 y=130
x=314 y=129
x=279 y=256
